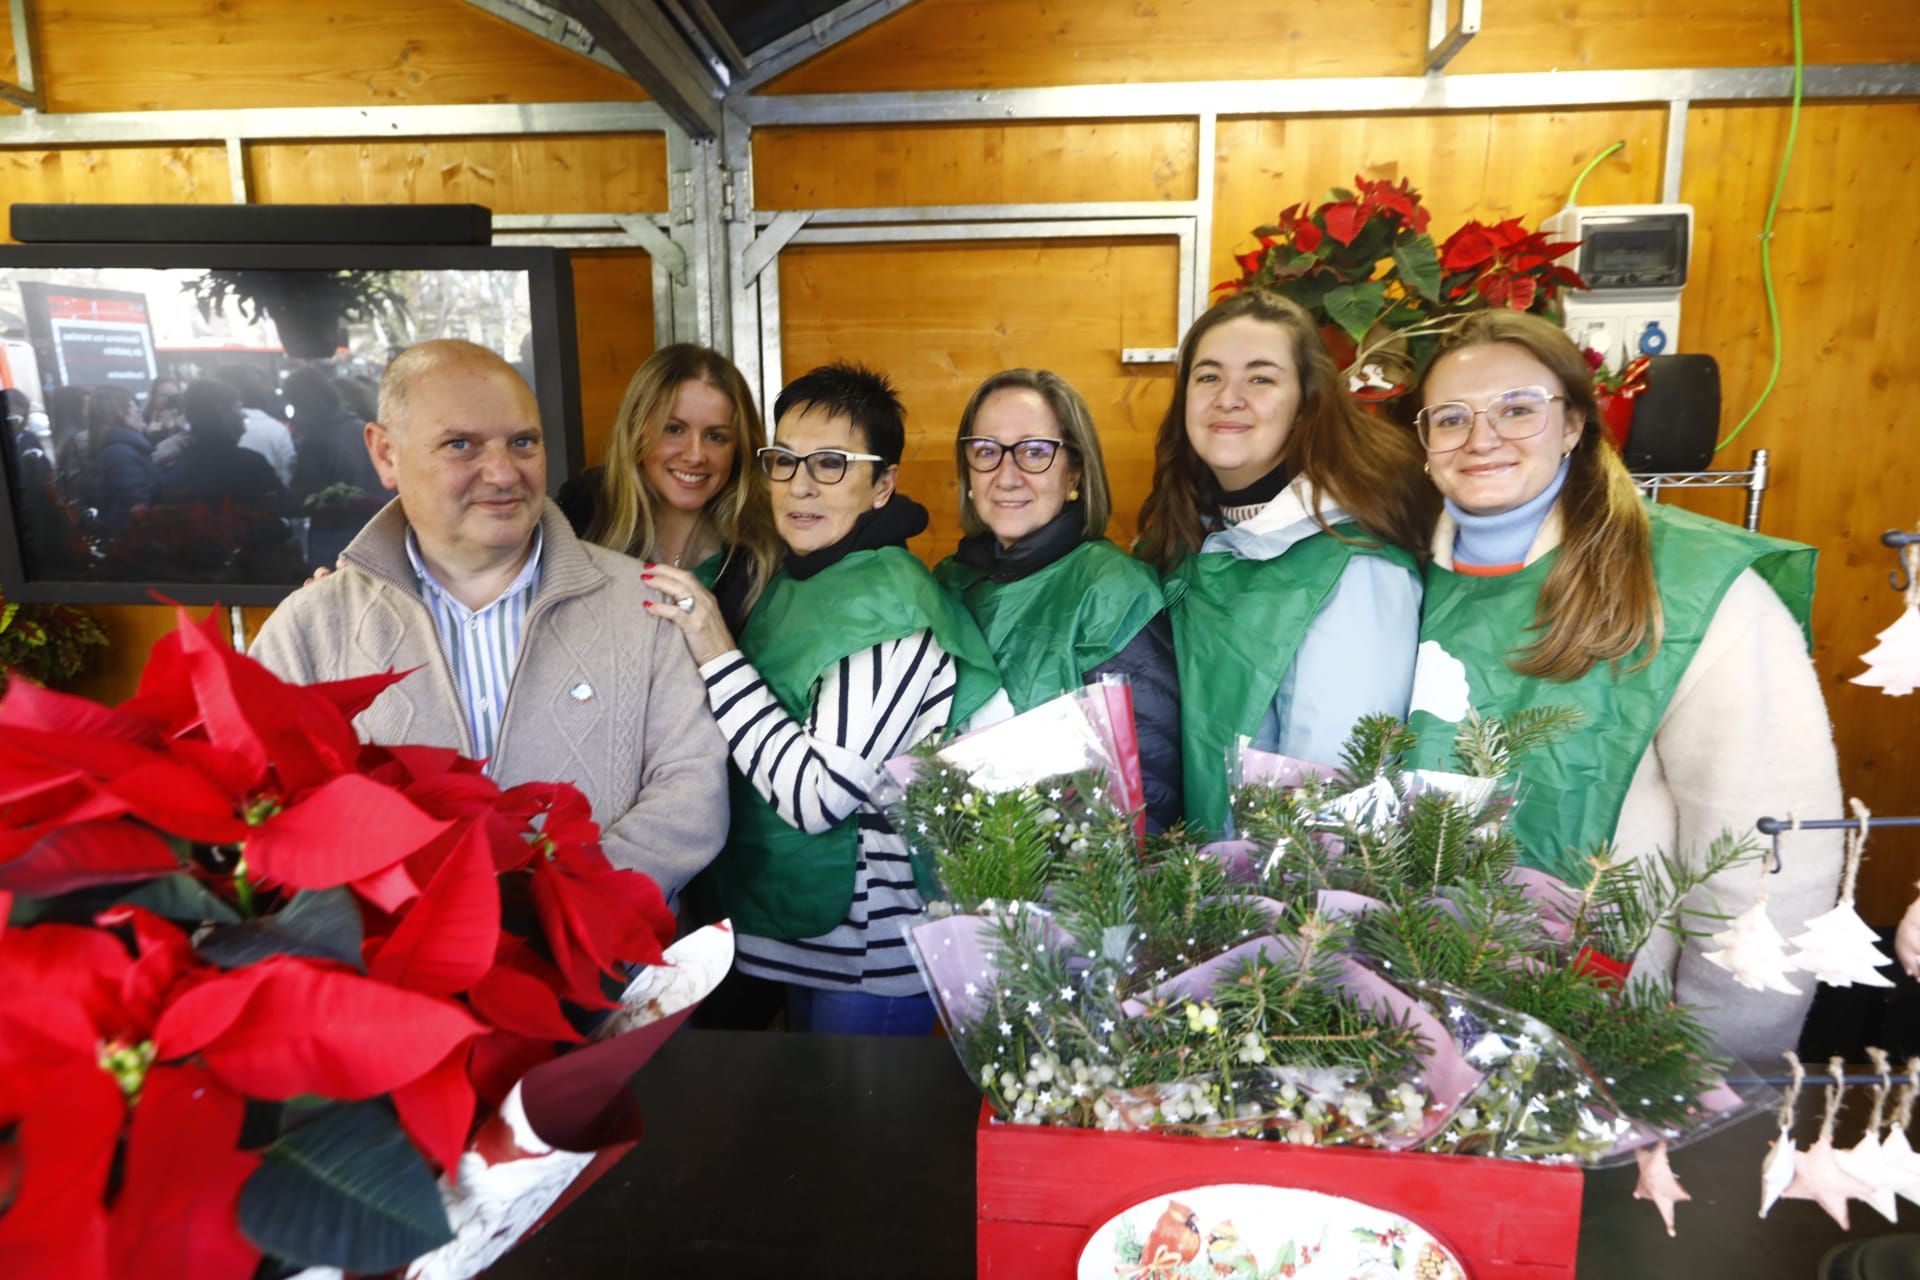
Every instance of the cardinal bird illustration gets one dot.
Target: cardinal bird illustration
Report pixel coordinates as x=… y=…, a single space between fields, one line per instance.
x=1174 y=1242
x=1229 y=1254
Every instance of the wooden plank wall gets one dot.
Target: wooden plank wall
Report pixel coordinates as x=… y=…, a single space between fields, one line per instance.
x=115 y=55
x=941 y=319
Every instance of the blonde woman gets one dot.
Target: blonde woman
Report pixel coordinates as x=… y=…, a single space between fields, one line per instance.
x=689 y=495
x=1680 y=640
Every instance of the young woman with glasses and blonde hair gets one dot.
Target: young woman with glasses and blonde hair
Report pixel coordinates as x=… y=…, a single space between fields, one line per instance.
x=1286 y=522
x=1059 y=604
x=688 y=493
x=1679 y=640
x=852 y=656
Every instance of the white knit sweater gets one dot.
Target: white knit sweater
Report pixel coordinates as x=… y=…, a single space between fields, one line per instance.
x=1746 y=736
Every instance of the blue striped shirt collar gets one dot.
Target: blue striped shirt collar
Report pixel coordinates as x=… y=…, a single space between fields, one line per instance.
x=482 y=646
x=527 y=581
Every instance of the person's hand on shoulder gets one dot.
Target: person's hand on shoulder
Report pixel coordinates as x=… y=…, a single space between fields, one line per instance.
x=319 y=573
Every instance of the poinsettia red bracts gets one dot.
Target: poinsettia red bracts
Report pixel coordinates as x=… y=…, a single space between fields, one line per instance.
x=224 y=796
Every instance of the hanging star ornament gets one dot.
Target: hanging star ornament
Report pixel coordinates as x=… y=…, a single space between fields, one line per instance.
x=1893 y=665
x=1902 y=1164
x=1753 y=952
x=1658 y=1184
x=1839 y=949
x=1777 y=1170
x=1866 y=1161
x=1817 y=1176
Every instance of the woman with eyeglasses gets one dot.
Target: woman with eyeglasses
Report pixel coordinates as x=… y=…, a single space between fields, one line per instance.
x=1285 y=521
x=1059 y=604
x=689 y=495
x=852 y=656
x=1679 y=639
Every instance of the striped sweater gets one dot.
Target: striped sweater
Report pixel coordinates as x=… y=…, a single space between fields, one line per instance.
x=869 y=707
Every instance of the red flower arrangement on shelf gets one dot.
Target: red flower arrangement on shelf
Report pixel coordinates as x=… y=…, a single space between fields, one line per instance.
x=261 y=983
x=1364 y=265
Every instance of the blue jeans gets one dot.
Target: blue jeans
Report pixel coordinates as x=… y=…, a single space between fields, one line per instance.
x=856 y=1013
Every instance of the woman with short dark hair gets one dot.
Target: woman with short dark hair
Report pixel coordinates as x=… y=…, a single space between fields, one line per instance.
x=852 y=656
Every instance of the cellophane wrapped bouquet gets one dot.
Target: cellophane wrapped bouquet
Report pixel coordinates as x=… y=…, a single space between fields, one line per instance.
x=1365 y=964
x=273 y=1001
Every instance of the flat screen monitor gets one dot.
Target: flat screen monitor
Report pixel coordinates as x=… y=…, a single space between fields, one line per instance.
x=112 y=492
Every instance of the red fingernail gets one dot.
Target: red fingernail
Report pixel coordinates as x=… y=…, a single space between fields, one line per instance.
x=646 y=577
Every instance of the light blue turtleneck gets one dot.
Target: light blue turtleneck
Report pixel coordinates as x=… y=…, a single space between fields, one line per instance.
x=1503 y=539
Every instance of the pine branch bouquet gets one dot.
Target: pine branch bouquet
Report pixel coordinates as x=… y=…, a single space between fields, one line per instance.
x=1365 y=965
x=270 y=998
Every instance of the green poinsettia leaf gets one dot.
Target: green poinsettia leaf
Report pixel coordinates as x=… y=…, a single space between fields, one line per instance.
x=181 y=898
x=320 y=922
x=1297 y=265
x=1355 y=307
x=1419 y=265
x=347 y=1190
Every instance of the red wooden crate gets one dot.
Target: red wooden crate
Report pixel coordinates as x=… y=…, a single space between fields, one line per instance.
x=1042 y=1192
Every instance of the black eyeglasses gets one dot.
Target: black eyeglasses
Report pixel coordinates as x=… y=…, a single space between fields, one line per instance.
x=826 y=466
x=1033 y=456
x=1519 y=414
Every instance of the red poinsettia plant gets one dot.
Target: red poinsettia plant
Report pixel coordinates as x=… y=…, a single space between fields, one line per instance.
x=260 y=983
x=1364 y=265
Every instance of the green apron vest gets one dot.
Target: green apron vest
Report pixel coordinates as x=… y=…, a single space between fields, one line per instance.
x=1237 y=625
x=773 y=879
x=1048 y=629
x=707 y=572
x=1571 y=793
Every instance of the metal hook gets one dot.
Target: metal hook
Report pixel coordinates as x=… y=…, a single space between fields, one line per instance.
x=1907 y=546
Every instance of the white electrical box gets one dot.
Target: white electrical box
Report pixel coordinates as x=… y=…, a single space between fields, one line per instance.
x=1634 y=260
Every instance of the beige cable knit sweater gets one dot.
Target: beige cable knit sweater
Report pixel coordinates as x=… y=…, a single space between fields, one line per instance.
x=603 y=696
x=1745 y=737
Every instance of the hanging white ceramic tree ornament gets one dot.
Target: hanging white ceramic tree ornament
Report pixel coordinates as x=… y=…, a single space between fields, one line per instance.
x=1838 y=948
x=1867 y=1159
x=1752 y=950
x=1776 y=1171
x=1657 y=1182
x=1817 y=1175
x=1893 y=665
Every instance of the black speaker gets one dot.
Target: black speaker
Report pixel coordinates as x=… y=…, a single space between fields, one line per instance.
x=462 y=224
x=1677 y=418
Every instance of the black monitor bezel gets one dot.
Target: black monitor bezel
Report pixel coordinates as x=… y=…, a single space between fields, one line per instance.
x=555 y=355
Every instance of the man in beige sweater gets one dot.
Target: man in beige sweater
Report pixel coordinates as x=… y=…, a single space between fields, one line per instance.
x=532 y=648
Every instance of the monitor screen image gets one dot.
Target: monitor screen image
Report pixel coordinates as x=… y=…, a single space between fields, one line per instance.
x=190 y=419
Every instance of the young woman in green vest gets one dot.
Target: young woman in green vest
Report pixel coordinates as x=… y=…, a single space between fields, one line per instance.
x=1059 y=604
x=852 y=656
x=1285 y=520
x=1680 y=639
x=689 y=494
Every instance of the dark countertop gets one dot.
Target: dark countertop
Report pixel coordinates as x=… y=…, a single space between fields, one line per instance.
x=791 y=1156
